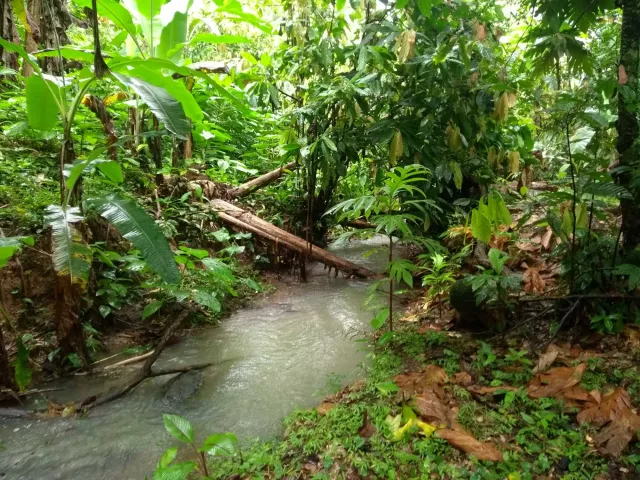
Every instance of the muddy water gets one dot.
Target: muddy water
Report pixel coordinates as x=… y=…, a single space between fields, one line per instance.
x=268 y=359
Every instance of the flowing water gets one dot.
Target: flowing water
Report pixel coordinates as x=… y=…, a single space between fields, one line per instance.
x=268 y=359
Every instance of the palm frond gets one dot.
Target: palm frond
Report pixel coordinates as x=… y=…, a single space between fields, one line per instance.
x=140 y=229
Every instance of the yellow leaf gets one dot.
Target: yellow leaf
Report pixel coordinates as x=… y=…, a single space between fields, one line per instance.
x=395 y=149
x=453 y=138
x=114 y=97
x=492 y=156
x=501 y=110
x=426 y=428
x=514 y=162
x=406 y=45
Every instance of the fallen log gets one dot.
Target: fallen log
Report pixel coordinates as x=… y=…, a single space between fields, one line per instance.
x=360 y=224
x=242 y=219
x=261 y=181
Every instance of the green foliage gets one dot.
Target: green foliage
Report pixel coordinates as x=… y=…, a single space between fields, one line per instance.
x=217 y=444
x=489 y=216
x=139 y=228
x=21 y=364
x=9 y=246
x=492 y=287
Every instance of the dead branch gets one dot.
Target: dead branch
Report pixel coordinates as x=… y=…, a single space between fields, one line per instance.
x=261 y=181
x=146 y=371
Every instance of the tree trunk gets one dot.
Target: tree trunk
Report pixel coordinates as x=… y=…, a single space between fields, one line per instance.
x=48 y=20
x=8 y=32
x=155 y=146
x=68 y=327
x=627 y=124
x=261 y=181
x=6 y=376
x=242 y=219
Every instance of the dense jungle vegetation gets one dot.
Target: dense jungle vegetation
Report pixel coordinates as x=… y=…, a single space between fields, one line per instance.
x=163 y=162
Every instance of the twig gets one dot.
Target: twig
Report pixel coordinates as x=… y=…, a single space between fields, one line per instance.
x=566 y=315
x=30 y=392
x=521 y=324
x=128 y=361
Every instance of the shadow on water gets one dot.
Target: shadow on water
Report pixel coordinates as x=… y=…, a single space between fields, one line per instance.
x=268 y=360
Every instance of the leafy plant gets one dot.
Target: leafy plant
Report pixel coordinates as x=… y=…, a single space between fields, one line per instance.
x=215 y=445
x=388 y=210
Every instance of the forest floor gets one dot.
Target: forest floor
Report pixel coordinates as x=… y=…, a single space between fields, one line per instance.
x=439 y=402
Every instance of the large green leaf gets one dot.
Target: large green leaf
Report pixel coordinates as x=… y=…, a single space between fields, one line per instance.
x=115 y=12
x=42 y=106
x=140 y=229
x=146 y=13
x=123 y=64
x=218 y=39
x=480 y=226
x=177 y=90
x=220 y=443
x=70 y=255
x=22 y=53
x=10 y=245
x=173 y=37
x=179 y=427
x=165 y=107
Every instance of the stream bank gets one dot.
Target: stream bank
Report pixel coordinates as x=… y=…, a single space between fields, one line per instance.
x=269 y=359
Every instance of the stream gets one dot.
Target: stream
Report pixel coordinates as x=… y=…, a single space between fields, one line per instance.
x=279 y=354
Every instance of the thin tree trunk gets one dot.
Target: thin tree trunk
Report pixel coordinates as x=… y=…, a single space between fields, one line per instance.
x=6 y=376
x=627 y=124
x=390 y=285
x=97 y=106
x=156 y=152
x=68 y=327
x=8 y=32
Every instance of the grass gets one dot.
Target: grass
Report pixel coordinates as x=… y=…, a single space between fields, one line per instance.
x=537 y=437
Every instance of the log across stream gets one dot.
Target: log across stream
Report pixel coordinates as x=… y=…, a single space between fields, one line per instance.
x=267 y=360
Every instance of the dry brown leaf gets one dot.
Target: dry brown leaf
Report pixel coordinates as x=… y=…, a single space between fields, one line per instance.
x=552 y=382
x=613 y=406
x=430 y=378
x=529 y=247
x=545 y=361
x=477 y=389
x=367 y=430
x=576 y=393
x=622 y=75
x=533 y=282
x=468 y=444
x=545 y=241
x=614 y=438
x=430 y=408
x=479 y=31
x=323 y=408
x=632 y=332
x=462 y=378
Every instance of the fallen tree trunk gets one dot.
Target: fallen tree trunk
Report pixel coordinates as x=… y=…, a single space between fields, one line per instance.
x=240 y=218
x=360 y=224
x=261 y=181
